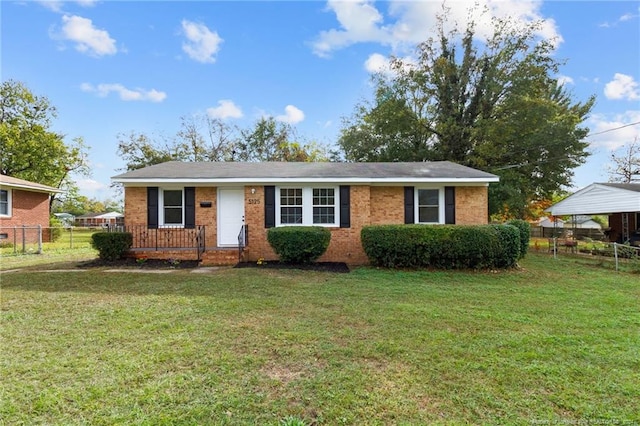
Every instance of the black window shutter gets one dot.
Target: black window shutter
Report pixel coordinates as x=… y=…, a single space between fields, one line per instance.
x=152 y=207
x=345 y=206
x=269 y=206
x=450 y=204
x=190 y=207
x=409 y=211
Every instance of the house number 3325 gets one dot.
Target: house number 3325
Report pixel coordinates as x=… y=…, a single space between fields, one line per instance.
x=254 y=201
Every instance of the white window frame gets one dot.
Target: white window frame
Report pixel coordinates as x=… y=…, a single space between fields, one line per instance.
x=161 y=220
x=9 y=203
x=441 y=212
x=307 y=205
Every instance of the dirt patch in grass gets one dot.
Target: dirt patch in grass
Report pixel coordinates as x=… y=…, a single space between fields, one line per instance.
x=339 y=267
x=135 y=263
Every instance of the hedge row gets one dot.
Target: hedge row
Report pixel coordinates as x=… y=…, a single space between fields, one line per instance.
x=299 y=244
x=525 y=234
x=445 y=247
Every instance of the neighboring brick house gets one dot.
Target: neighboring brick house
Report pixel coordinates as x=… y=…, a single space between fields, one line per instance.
x=170 y=205
x=23 y=203
x=103 y=220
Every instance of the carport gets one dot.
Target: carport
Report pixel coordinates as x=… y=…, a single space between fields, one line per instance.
x=619 y=201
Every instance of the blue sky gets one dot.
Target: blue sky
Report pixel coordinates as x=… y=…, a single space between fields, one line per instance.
x=114 y=67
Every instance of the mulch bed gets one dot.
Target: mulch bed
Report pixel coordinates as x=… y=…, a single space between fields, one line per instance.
x=339 y=267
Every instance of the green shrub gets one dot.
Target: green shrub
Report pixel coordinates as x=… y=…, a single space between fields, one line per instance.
x=508 y=250
x=111 y=245
x=442 y=246
x=299 y=244
x=55 y=227
x=525 y=234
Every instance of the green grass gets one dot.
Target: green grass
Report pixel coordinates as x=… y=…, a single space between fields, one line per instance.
x=555 y=342
x=71 y=246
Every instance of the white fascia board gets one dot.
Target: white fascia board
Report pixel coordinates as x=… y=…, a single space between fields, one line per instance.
x=242 y=181
x=4 y=185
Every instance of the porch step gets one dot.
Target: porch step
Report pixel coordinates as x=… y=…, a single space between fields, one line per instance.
x=220 y=257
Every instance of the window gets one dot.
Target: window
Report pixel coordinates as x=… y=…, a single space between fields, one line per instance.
x=429 y=206
x=171 y=207
x=307 y=206
x=324 y=202
x=5 y=202
x=290 y=206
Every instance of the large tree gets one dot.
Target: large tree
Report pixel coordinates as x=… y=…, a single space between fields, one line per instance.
x=625 y=166
x=29 y=149
x=201 y=138
x=492 y=104
x=270 y=140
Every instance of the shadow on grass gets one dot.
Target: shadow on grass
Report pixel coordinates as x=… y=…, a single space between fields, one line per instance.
x=126 y=277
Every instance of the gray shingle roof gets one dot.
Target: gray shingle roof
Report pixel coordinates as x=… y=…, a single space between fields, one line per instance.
x=291 y=171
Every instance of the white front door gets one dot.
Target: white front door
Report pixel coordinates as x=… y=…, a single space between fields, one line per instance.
x=230 y=215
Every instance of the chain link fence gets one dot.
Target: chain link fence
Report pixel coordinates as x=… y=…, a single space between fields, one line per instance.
x=18 y=240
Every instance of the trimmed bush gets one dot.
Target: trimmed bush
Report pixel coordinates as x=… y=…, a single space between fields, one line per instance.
x=525 y=234
x=442 y=246
x=111 y=245
x=299 y=244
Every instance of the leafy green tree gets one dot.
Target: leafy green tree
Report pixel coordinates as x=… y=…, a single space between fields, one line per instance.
x=80 y=204
x=138 y=150
x=28 y=148
x=270 y=140
x=492 y=105
x=206 y=139
x=202 y=138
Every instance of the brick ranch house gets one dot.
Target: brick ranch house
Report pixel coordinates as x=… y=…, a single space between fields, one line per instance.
x=23 y=203
x=174 y=207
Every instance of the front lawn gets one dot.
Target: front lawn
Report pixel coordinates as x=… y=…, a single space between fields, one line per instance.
x=552 y=343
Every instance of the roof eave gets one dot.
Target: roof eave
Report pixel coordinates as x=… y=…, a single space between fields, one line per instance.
x=353 y=180
x=31 y=188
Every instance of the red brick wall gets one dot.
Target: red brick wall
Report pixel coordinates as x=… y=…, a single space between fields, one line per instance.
x=27 y=208
x=387 y=205
x=472 y=205
x=369 y=205
x=30 y=209
x=135 y=207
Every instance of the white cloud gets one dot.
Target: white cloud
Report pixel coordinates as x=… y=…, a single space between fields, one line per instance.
x=292 y=115
x=613 y=139
x=564 y=80
x=87 y=3
x=377 y=63
x=56 y=5
x=410 y=22
x=359 y=21
x=624 y=18
x=91 y=185
x=202 y=44
x=88 y=39
x=622 y=87
x=104 y=89
x=225 y=109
